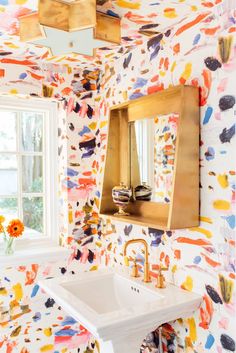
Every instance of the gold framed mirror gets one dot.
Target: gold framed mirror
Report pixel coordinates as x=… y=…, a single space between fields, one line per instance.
x=182 y=208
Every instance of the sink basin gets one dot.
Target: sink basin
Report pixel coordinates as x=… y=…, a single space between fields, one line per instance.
x=113 y=293
x=118 y=310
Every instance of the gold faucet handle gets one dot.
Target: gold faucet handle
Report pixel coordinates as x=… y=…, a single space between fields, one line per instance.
x=161 y=281
x=135 y=272
x=128 y=259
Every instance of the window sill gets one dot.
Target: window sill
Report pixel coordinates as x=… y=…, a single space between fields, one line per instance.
x=29 y=256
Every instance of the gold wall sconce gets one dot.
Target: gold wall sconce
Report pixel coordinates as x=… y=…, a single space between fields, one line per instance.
x=69 y=26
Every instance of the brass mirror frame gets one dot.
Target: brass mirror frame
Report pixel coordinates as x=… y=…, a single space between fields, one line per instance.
x=183 y=209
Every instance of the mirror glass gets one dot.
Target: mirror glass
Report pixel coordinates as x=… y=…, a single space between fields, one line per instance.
x=152 y=155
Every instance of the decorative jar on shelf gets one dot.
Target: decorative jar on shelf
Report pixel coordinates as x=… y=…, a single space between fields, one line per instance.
x=143 y=192
x=121 y=197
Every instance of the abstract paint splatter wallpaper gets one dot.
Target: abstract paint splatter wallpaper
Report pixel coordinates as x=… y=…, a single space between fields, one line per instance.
x=190 y=44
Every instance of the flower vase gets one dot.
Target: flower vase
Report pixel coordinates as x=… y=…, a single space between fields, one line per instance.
x=9 y=245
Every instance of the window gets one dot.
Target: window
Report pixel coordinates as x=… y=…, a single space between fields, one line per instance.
x=28 y=167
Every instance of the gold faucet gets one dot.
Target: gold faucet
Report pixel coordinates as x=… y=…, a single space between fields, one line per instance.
x=146 y=263
x=161 y=281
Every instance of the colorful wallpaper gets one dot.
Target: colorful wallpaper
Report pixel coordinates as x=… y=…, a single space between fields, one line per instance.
x=196 y=48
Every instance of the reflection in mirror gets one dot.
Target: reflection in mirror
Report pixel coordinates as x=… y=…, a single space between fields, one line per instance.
x=152 y=155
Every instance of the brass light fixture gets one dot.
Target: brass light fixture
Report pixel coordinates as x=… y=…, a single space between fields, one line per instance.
x=67 y=15
x=69 y=26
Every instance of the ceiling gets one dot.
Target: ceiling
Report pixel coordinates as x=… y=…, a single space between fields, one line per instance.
x=137 y=17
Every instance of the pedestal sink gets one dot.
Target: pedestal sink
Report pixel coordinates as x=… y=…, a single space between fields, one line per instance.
x=118 y=310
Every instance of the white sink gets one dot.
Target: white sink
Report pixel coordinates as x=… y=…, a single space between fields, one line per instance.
x=118 y=310
x=113 y=293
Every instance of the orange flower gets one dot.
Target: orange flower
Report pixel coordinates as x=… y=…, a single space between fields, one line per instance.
x=15 y=228
x=1 y=228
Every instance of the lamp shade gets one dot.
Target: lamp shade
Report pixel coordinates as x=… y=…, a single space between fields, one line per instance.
x=67 y=15
x=69 y=27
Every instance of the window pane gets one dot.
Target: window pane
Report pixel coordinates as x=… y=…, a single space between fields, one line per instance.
x=8 y=208
x=33 y=214
x=8 y=175
x=7 y=131
x=32 y=174
x=32 y=131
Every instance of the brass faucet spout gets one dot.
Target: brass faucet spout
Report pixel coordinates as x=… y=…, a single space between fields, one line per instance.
x=146 y=263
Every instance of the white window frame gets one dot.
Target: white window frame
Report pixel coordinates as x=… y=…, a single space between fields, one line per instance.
x=145 y=139
x=51 y=165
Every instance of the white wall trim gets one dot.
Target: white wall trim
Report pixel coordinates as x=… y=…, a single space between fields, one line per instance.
x=35 y=256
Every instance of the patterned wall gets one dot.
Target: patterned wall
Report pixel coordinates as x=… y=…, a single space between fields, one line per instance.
x=201 y=259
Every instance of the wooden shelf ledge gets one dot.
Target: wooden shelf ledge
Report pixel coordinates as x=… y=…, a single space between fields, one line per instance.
x=139 y=220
